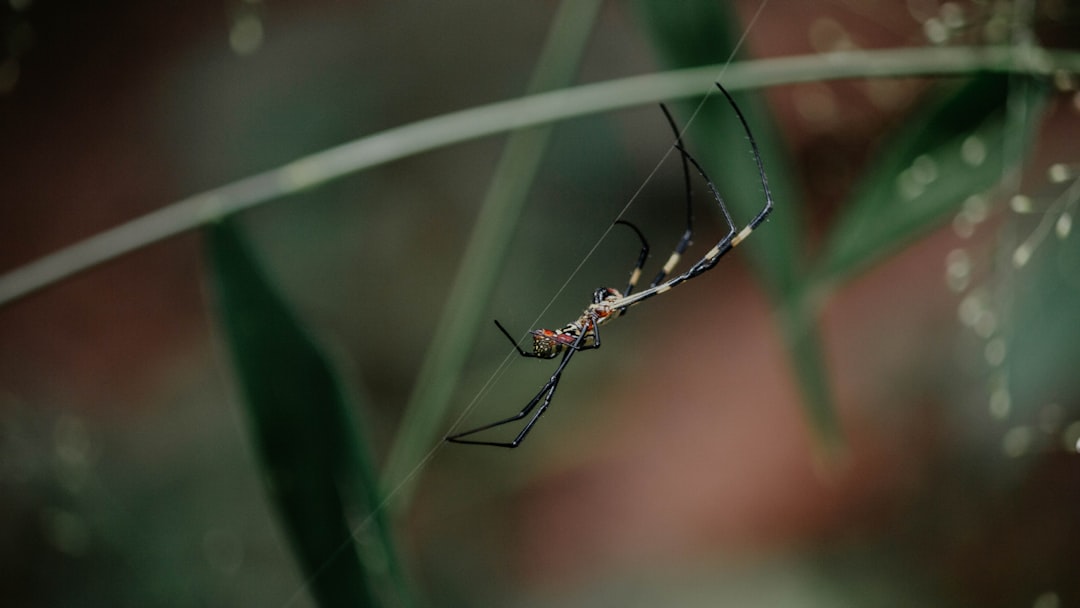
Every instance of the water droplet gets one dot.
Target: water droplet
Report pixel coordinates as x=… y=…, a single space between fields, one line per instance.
x=985 y=324
x=935 y=31
x=907 y=186
x=976 y=208
x=1063 y=80
x=1000 y=403
x=1058 y=173
x=924 y=169
x=1017 y=441
x=952 y=15
x=973 y=150
x=957 y=269
x=1063 y=226
x=963 y=226
x=1022 y=255
x=971 y=307
x=827 y=35
x=1020 y=203
x=246 y=35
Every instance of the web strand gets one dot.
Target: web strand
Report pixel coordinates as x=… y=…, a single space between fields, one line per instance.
x=503 y=366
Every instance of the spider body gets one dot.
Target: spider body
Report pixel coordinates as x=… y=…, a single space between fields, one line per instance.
x=550 y=343
x=607 y=303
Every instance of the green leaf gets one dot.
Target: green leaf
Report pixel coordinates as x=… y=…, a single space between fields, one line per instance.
x=961 y=145
x=315 y=465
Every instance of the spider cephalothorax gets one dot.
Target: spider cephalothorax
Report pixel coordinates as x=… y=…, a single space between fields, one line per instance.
x=608 y=303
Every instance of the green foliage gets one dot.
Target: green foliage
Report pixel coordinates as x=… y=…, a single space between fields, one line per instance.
x=315 y=463
x=954 y=147
x=317 y=466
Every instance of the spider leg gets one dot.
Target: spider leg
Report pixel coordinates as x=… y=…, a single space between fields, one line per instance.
x=731 y=239
x=635 y=274
x=545 y=394
x=688 y=234
x=523 y=353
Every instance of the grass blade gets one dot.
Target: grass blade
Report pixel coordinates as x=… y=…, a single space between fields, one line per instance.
x=314 y=462
x=464 y=311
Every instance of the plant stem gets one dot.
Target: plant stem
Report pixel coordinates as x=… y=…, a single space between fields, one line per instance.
x=480 y=121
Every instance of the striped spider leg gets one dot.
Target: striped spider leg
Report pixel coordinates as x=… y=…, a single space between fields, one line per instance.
x=607 y=303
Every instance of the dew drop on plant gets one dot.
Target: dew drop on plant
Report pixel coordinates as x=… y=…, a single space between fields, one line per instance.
x=924 y=169
x=963 y=226
x=907 y=186
x=1063 y=226
x=971 y=307
x=246 y=35
x=985 y=324
x=957 y=269
x=975 y=208
x=973 y=150
x=1000 y=403
x=952 y=15
x=1063 y=80
x=827 y=35
x=1020 y=203
x=1022 y=255
x=1017 y=441
x=1058 y=172
x=995 y=352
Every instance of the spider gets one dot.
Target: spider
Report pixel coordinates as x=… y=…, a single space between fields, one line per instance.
x=608 y=303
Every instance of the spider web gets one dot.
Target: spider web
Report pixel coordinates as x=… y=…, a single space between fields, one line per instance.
x=391 y=493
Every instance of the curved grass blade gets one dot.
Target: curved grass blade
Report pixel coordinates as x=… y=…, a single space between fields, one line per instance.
x=962 y=144
x=315 y=465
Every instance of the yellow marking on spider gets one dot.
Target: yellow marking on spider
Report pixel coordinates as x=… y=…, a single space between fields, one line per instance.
x=742 y=235
x=635 y=276
x=672 y=261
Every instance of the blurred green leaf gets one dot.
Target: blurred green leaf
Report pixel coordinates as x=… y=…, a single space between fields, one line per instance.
x=315 y=465
x=697 y=32
x=960 y=145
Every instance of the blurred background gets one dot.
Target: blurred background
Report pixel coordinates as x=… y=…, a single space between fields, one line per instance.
x=675 y=467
